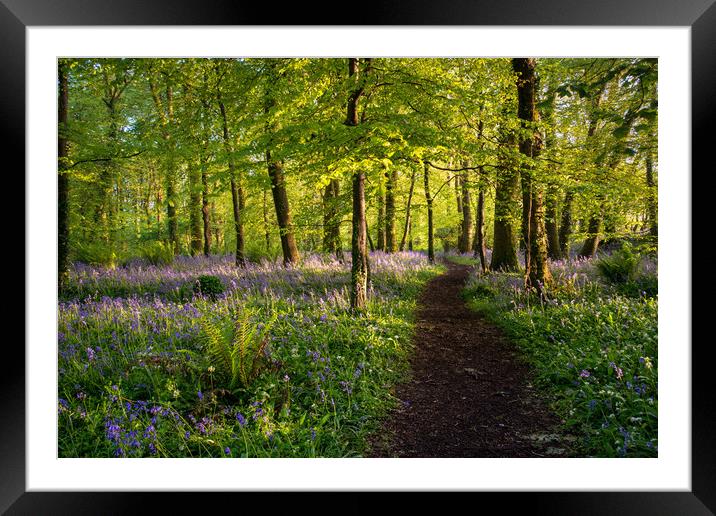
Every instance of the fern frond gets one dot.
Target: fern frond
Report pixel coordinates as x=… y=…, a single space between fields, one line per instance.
x=242 y=342
x=216 y=346
x=236 y=350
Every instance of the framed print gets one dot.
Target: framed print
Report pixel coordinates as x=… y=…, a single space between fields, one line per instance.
x=37 y=33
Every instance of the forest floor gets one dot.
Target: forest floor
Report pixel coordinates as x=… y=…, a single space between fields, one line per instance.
x=469 y=393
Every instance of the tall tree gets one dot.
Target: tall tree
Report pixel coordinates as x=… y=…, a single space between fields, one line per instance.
x=391 y=184
x=194 y=171
x=551 y=223
x=537 y=275
x=465 y=240
x=594 y=228
x=651 y=198
x=359 y=253
x=480 y=247
x=204 y=164
x=406 y=226
x=62 y=177
x=565 y=227
x=429 y=203
x=554 y=250
x=331 y=219
x=165 y=111
x=278 y=178
x=115 y=80
x=237 y=191
x=380 y=222
x=504 y=252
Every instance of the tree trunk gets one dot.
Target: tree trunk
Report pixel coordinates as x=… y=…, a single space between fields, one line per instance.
x=596 y=220
x=331 y=220
x=380 y=223
x=236 y=189
x=480 y=247
x=359 y=253
x=565 y=229
x=195 y=208
x=429 y=202
x=238 y=222
x=62 y=178
x=525 y=221
x=205 y=213
x=103 y=212
x=410 y=236
x=166 y=118
x=267 y=232
x=407 y=211
x=466 y=226
x=537 y=275
x=458 y=204
x=652 y=207
x=278 y=187
x=554 y=251
x=594 y=230
x=172 y=220
x=283 y=211
x=391 y=244
x=504 y=249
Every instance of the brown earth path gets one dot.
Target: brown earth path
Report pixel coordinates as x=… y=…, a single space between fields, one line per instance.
x=469 y=394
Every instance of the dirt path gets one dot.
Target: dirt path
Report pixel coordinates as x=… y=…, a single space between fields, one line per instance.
x=470 y=394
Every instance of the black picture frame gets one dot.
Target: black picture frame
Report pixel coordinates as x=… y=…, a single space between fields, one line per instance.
x=700 y=15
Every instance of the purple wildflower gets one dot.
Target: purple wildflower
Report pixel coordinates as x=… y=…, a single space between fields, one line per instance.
x=241 y=419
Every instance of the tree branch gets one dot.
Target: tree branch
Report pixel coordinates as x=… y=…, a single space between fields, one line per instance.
x=94 y=160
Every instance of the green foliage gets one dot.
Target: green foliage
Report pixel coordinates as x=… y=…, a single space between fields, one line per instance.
x=448 y=237
x=646 y=285
x=235 y=347
x=208 y=285
x=256 y=253
x=479 y=291
x=593 y=350
x=620 y=267
x=593 y=355
x=95 y=253
x=321 y=383
x=157 y=253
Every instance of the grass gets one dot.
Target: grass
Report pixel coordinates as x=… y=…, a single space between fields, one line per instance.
x=137 y=379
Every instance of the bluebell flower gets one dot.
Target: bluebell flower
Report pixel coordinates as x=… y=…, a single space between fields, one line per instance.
x=241 y=419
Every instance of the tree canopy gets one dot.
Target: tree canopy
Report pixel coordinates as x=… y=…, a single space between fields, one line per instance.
x=256 y=156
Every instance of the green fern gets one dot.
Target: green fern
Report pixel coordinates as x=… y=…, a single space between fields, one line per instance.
x=235 y=347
